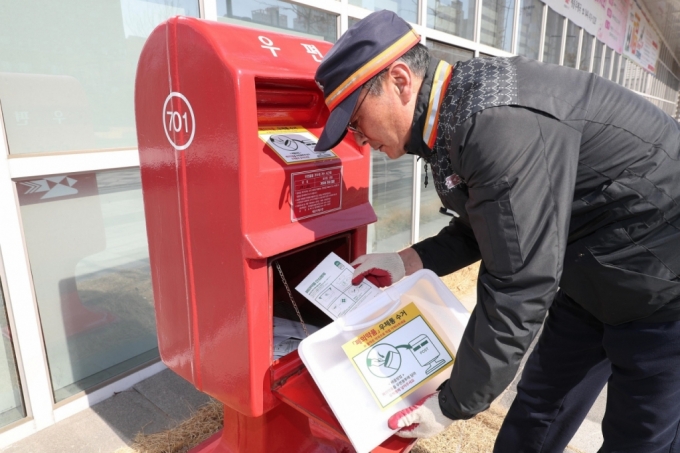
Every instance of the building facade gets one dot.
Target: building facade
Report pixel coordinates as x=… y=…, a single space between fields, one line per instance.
x=76 y=315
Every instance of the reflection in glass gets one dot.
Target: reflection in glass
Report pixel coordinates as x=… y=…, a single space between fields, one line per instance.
x=447 y=52
x=392 y=199
x=622 y=70
x=553 y=37
x=615 y=68
x=571 y=45
x=86 y=241
x=351 y=21
x=431 y=220
x=406 y=9
x=497 y=19
x=452 y=16
x=279 y=15
x=606 y=67
x=586 y=51
x=11 y=400
x=67 y=70
x=530 y=20
x=597 y=58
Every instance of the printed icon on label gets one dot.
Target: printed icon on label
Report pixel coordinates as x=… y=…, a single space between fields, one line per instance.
x=291 y=142
x=383 y=360
x=425 y=353
x=329 y=295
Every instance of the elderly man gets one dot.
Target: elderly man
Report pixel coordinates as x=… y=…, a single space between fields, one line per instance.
x=567 y=188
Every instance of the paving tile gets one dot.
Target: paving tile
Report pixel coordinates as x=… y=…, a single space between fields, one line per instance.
x=588 y=438
x=129 y=413
x=84 y=432
x=172 y=394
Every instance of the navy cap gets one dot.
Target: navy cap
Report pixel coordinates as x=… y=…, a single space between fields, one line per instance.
x=368 y=47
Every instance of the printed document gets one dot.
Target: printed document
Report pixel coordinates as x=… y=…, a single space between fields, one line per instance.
x=329 y=287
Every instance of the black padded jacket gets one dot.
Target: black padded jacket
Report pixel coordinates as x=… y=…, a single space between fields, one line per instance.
x=561 y=179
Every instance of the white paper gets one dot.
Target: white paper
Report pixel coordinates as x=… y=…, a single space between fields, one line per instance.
x=329 y=287
x=287 y=336
x=284 y=346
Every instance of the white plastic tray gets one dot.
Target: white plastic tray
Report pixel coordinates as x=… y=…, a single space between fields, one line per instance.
x=363 y=420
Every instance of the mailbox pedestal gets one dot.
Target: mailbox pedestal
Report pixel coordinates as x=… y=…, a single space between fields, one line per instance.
x=224 y=211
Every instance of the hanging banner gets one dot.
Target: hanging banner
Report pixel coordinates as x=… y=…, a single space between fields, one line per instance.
x=613 y=27
x=587 y=14
x=642 y=42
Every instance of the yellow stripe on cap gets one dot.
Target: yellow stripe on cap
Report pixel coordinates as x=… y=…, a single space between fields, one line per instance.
x=442 y=76
x=377 y=64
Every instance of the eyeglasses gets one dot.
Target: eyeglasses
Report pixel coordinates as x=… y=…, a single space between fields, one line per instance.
x=353 y=126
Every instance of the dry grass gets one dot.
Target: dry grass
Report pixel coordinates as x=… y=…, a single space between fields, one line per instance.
x=205 y=422
x=464 y=281
x=476 y=435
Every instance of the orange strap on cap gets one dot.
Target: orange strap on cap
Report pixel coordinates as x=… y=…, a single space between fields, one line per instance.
x=374 y=66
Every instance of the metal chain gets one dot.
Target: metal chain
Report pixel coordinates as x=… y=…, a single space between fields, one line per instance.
x=290 y=294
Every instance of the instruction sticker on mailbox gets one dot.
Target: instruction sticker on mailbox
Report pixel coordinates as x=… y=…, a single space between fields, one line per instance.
x=315 y=192
x=294 y=145
x=398 y=355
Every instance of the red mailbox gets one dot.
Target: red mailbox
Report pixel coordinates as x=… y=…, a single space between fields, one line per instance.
x=223 y=209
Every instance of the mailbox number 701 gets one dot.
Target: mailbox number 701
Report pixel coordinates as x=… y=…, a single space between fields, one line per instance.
x=175 y=121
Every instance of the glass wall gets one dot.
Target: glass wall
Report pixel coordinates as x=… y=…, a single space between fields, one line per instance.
x=452 y=16
x=448 y=53
x=586 y=51
x=606 y=67
x=279 y=15
x=597 y=58
x=498 y=17
x=615 y=68
x=553 y=37
x=86 y=240
x=530 y=21
x=431 y=220
x=571 y=45
x=406 y=9
x=11 y=401
x=392 y=200
x=67 y=71
x=622 y=70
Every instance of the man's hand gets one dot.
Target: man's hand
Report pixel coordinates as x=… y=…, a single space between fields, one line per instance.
x=423 y=419
x=381 y=269
x=384 y=269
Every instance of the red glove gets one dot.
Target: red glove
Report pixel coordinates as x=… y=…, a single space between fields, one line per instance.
x=381 y=269
x=423 y=419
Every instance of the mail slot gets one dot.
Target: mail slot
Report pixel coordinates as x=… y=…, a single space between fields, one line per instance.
x=239 y=208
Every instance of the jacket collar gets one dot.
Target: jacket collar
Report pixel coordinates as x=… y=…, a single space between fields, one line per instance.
x=428 y=103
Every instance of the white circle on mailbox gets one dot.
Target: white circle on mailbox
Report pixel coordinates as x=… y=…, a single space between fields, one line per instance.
x=179 y=122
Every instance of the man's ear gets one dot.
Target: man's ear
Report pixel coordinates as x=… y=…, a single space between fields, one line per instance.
x=402 y=81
